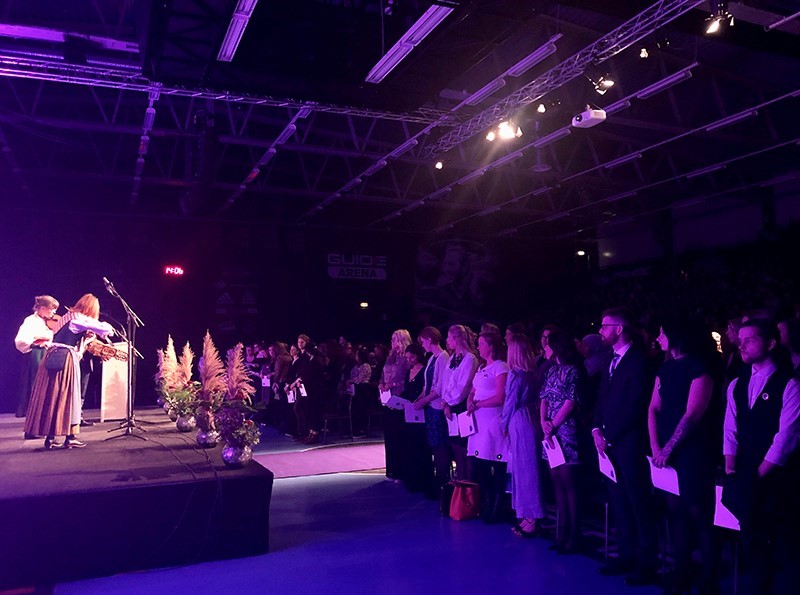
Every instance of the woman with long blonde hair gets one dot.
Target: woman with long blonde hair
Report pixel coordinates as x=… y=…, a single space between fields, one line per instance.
x=393 y=378
x=520 y=422
x=55 y=406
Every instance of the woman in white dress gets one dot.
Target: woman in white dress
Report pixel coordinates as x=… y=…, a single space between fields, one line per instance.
x=489 y=447
x=456 y=385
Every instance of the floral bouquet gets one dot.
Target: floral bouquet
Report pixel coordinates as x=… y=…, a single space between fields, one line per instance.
x=213 y=385
x=233 y=418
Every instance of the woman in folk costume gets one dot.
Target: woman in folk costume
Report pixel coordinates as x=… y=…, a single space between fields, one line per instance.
x=33 y=338
x=55 y=406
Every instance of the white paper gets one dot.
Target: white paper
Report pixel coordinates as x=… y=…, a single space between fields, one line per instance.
x=350 y=389
x=722 y=516
x=665 y=478
x=452 y=426
x=265 y=381
x=466 y=425
x=385 y=396
x=396 y=403
x=414 y=416
x=303 y=392
x=555 y=454
x=291 y=397
x=606 y=468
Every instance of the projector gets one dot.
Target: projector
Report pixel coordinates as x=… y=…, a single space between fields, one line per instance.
x=590 y=117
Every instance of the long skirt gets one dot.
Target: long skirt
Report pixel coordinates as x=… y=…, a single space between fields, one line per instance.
x=526 y=484
x=55 y=403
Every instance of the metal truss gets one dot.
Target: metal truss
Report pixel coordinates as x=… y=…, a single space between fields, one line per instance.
x=115 y=77
x=649 y=20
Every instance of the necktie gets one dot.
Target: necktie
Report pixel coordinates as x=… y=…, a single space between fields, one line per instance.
x=614 y=362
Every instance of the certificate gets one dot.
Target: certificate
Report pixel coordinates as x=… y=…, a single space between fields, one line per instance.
x=414 y=416
x=385 y=395
x=555 y=454
x=452 y=425
x=265 y=381
x=665 y=478
x=606 y=468
x=466 y=424
x=291 y=396
x=722 y=516
x=303 y=392
x=396 y=403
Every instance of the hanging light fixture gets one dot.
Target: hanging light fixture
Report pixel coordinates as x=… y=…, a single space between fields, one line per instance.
x=719 y=16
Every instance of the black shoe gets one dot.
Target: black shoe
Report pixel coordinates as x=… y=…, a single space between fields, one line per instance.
x=73 y=443
x=641 y=578
x=29 y=436
x=51 y=444
x=616 y=568
x=86 y=424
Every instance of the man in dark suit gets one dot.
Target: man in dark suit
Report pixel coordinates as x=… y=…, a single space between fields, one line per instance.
x=620 y=434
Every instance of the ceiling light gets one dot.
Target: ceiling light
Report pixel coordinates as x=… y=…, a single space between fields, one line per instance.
x=430 y=19
x=552 y=137
x=491 y=135
x=542 y=108
x=581 y=253
x=508 y=130
x=485 y=91
x=236 y=27
x=439 y=165
x=602 y=84
x=719 y=16
x=666 y=83
x=643 y=53
x=534 y=57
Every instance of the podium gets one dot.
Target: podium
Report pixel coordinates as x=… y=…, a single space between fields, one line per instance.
x=114 y=387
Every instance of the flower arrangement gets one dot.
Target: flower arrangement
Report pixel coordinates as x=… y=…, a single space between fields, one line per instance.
x=232 y=420
x=174 y=378
x=213 y=385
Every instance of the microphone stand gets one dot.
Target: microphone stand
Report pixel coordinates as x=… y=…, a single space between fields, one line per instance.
x=134 y=322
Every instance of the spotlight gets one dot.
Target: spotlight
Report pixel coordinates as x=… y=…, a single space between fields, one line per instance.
x=491 y=136
x=542 y=108
x=508 y=130
x=439 y=165
x=363 y=305
x=602 y=84
x=719 y=16
x=581 y=253
x=643 y=53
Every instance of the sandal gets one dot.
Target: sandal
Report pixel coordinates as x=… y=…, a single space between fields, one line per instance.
x=526 y=528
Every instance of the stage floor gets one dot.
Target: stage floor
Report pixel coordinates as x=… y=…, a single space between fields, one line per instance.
x=123 y=504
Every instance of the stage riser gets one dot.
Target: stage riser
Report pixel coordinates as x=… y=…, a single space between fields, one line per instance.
x=67 y=536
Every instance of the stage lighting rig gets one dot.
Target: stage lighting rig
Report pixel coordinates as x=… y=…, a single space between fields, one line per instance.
x=719 y=16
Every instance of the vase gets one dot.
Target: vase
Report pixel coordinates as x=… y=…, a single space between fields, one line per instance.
x=186 y=423
x=173 y=414
x=160 y=401
x=207 y=439
x=166 y=406
x=237 y=456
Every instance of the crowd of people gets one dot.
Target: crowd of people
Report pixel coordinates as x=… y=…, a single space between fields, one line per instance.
x=716 y=409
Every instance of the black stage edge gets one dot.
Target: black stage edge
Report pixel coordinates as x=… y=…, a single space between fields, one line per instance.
x=123 y=505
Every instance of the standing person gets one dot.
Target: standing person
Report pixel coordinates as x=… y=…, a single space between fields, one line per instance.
x=456 y=385
x=561 y=398
x=33 y=338
x=488 y=447
x=760 y=444
x=431 y=400
x=280 y=363
x=393 y=379
x=292 y=376
x=520 y=422
x=55 y=406
x=417 y=465
x=312 y=379
x=620 y=424
x=679 y=424
x=357 y=385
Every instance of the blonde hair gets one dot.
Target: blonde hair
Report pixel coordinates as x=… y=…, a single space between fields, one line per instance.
x=44 y=301
x=403 y=337
x=88 y=305
x=463 y=336
x=520 y=353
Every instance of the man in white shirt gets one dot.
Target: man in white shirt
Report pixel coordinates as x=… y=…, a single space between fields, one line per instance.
x=760 y=444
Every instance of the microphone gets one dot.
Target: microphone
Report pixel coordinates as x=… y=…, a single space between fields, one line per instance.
x=109 y=286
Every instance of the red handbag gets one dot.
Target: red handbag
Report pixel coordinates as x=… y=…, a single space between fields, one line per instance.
x=465 y=503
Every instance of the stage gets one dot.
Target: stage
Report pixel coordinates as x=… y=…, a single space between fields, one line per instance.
x=123 y=504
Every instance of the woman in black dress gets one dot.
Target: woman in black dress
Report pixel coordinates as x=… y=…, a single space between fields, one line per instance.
x=679 y=423
x=417 y=470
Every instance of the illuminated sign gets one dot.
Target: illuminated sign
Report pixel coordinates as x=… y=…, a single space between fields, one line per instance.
x=175 y=271
x=357 y=266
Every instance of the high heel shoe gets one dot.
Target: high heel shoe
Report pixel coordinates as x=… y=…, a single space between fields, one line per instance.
x=73 y=443
x=50 y=444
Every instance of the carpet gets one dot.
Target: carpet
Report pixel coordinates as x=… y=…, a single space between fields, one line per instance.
x=324 y=459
